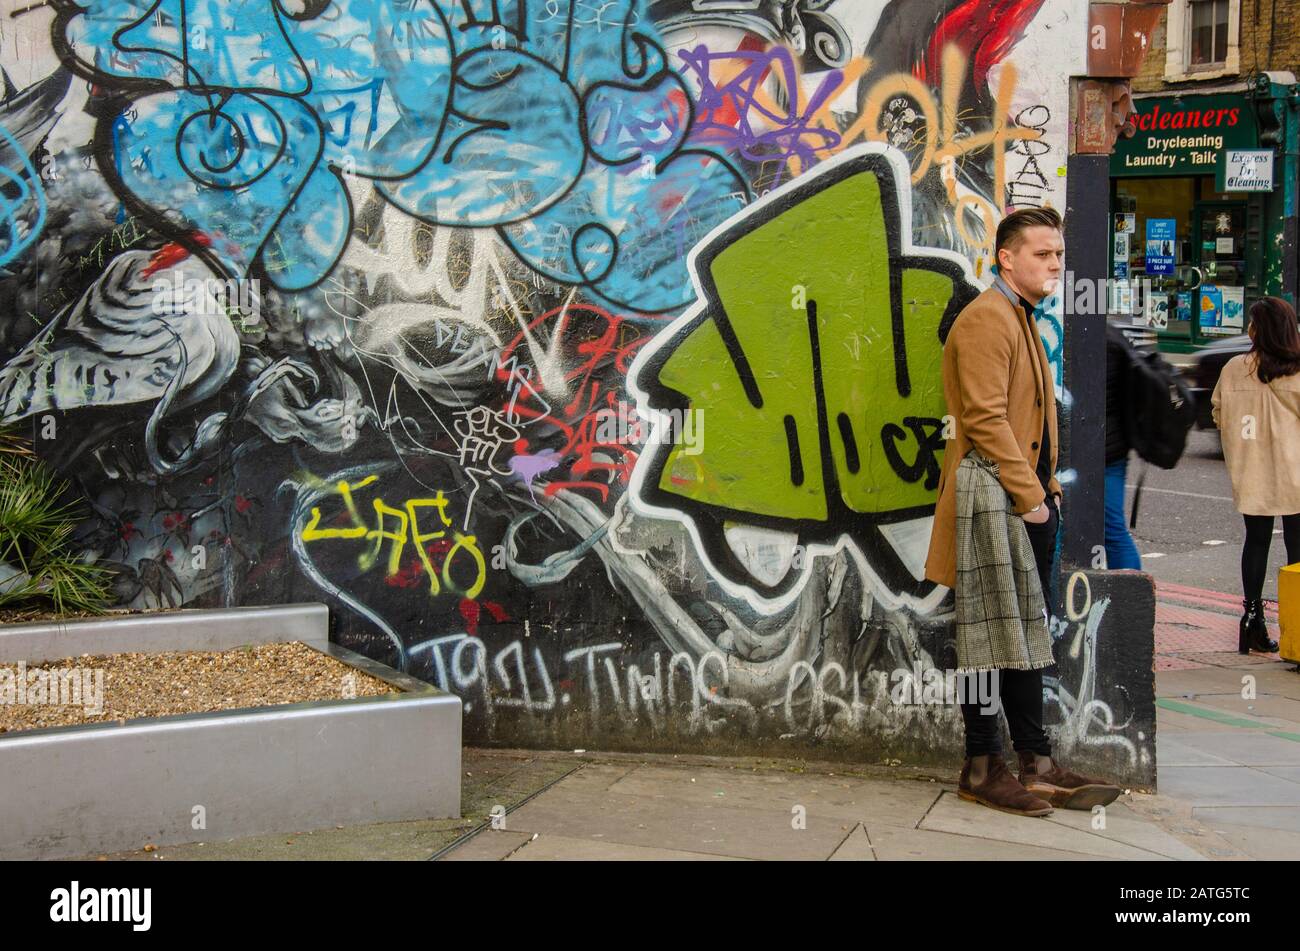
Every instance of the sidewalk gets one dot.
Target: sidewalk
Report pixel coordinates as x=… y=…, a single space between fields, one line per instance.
x=638 y=810
x=1228 y=776
x=1198 y=628
x=1235 y=760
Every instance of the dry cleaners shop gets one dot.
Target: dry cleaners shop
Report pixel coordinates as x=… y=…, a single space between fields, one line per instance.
x=1193 y=192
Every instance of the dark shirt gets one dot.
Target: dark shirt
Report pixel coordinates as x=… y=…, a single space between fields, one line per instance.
x=1118 y=360
x=1045 y=446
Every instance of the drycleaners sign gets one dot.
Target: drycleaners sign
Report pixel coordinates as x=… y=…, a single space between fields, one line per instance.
x=1185 y=135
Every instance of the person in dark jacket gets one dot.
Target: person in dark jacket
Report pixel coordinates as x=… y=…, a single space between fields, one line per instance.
x=1120 y=550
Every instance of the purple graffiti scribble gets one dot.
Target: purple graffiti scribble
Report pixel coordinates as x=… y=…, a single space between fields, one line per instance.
x=730 y=115
x=529 y=467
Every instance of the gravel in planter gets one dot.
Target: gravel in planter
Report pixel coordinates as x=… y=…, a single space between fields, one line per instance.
x=154 y=685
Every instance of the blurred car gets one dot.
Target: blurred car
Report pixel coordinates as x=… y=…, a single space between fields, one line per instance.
x=1202 y=374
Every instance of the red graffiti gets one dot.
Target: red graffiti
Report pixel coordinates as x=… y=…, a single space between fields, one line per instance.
x=984 y=36
x=172 y=253
x=594 y=346
x=472 y=612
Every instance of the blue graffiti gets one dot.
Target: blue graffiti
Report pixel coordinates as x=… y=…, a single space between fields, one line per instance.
x=1048 y=318
x=562 y=130
x=22 y=217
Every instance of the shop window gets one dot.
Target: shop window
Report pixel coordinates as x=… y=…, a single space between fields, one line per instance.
x=1202 y=39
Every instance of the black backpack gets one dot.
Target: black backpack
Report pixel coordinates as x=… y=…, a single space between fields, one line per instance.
x=1161 y=409
x=1160 y=412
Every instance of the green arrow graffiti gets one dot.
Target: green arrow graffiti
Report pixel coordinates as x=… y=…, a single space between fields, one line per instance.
x=814 y=362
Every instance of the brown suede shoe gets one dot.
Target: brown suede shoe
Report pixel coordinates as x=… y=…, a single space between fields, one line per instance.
x=1063 y=788
x=1000 y=790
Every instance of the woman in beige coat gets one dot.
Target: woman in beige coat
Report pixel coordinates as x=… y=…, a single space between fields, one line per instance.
x=1257 y=410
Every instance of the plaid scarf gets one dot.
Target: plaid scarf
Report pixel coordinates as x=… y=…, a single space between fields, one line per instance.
x=1001 y=614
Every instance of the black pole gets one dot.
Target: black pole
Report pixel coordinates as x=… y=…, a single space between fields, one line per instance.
x=1082 y=420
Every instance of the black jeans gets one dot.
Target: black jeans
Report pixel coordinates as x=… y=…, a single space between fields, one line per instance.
x=1254 y=554
x=1020 y=691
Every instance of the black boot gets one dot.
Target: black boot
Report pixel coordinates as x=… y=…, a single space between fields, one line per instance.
x=1254 y=632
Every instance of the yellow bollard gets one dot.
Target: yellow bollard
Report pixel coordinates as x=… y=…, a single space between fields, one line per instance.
x=1288 y=612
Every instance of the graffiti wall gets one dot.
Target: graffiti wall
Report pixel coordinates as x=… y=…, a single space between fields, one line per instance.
x=582 y=355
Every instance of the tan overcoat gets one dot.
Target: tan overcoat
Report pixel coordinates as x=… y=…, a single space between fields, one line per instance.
x=997 y=384
x=1260 y=427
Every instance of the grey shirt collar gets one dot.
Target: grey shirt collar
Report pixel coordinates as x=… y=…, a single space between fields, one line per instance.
x=1006 y=290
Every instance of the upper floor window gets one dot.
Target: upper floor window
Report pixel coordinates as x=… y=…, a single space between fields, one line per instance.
x=1208 y=41
x=1202 y=40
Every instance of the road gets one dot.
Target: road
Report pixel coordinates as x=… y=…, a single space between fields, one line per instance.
x=1188 y=531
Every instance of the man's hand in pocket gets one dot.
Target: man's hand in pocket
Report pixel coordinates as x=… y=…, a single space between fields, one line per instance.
x=1040 y=516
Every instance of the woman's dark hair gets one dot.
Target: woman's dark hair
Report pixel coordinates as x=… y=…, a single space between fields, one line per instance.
x=1277 y=339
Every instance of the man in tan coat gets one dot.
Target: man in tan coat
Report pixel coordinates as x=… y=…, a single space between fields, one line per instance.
x=999 y=389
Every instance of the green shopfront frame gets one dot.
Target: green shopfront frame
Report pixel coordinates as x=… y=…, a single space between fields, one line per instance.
x=1172 y=162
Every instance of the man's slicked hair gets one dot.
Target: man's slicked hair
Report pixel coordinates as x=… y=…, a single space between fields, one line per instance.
x=1013 y=225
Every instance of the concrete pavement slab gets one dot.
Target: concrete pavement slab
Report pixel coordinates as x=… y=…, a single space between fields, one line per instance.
x=1176 y=817
x=1188 y=683
x=951 y=814
x=1284 y=818
x=891 y=843
x=1172 y=751
x=490 y=845
x=899 y=802
x=855 y=848
x=1289 y=773
x=1265 y=844
x=1244 y=747
x=597 y=777
x=771 y=833
x=550 y=848
x=1280 y=679
x=1123 y=825
x=1227 y=786
x=1279 y=711
x=1210 y=717
x=1170 y=721
x=1166 y=724
x=1276 y=679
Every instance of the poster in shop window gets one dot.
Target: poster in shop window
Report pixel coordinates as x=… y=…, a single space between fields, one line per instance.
x=1157 y=311
x=1161 y=235
x=1211 y=307
x=1234 y=300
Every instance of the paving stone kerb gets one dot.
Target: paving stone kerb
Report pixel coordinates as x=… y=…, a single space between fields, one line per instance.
x=197 y=777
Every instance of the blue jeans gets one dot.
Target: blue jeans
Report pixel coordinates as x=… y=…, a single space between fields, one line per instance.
x=1120 y=550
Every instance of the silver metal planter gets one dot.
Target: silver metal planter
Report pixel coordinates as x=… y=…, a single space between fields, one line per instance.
x=214 y=776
